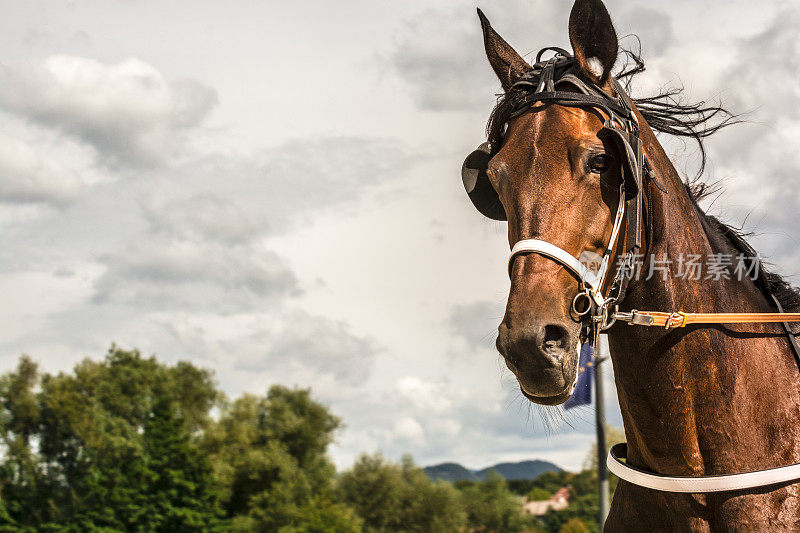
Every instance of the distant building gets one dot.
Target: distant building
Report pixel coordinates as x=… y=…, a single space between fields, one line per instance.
x=557 y=502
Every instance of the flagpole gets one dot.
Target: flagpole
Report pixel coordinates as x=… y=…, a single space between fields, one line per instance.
x=602 y=471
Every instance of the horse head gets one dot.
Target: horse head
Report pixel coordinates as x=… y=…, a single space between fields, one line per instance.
x=552 y=170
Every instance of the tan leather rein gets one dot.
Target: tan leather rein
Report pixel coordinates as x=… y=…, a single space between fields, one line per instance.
x=680 y=319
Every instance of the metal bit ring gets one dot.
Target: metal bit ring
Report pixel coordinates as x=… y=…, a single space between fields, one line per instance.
x=576 y=304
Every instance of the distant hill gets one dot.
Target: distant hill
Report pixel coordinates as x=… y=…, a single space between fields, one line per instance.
x=522 y=470
x=450 y=472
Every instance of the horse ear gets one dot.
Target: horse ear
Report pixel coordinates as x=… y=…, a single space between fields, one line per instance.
x=593 y=39
x=505 y=61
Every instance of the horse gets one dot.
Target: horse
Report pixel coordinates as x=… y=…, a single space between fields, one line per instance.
x=700 y=400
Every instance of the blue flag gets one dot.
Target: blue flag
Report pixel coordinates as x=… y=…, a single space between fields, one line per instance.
x=583 y=389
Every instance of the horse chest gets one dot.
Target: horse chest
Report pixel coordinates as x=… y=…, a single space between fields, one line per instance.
x=638 y=509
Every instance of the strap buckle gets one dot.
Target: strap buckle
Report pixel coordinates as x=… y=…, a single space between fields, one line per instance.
x=677 y=319
x=635 y=318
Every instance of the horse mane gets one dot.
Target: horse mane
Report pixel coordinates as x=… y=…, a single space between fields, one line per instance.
x=667 y=112
x=768 y=282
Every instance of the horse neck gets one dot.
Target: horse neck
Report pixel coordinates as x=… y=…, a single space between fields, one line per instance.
x=701 y=400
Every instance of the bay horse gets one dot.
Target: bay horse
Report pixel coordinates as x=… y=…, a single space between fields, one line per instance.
x=696 y=401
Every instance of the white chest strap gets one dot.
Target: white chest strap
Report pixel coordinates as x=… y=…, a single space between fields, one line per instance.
x=747 y=480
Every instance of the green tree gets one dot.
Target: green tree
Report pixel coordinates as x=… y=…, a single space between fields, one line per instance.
x=127 y=444
x=585 y=482
x=82 y=451
x=179 y=490
x=374 y=488
x=270 y=462
x=574 y=525
x=22 y=482
x=392 y=497
x=520 y=487
x=492 y=507
x=552 y=481
x=538 y=494
x=584 y=503
x=429 y=506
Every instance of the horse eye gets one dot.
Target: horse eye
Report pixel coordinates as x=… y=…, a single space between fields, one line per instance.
x=600 y=163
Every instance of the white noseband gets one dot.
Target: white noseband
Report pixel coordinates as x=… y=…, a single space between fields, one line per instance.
x=564 y=258
x=592 y=280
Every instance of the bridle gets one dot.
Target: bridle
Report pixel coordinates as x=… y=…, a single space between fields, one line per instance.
x=598 y=311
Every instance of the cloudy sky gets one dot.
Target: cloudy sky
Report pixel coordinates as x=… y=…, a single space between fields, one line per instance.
x=271 y=190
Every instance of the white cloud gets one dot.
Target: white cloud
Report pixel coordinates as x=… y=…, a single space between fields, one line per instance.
x=30 y=177
x=409 y=430
x=127 y=111
x=449 y=428
x=172 y=273
x=329 y=347
x=766 y=69
x=263 y=347
x=424 y=395
x=275 y=190
x=30 y=298
x=204 y=216
x=759 y=158
x=204 y=242
x=303 y=176
x=439 y=52
x=476 y=322
x=651 y=24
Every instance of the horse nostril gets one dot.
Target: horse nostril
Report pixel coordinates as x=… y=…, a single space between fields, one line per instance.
x=555 y=338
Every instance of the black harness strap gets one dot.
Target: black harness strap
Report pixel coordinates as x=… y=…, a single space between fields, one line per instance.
x=789 y=333
x=573 y=100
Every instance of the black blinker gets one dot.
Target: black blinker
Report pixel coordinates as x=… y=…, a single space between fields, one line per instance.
x=476 y=182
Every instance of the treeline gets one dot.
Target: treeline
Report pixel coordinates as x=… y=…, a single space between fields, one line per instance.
x=130 y=444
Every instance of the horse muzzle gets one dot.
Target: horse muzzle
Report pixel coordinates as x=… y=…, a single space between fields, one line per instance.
x=543 y=357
